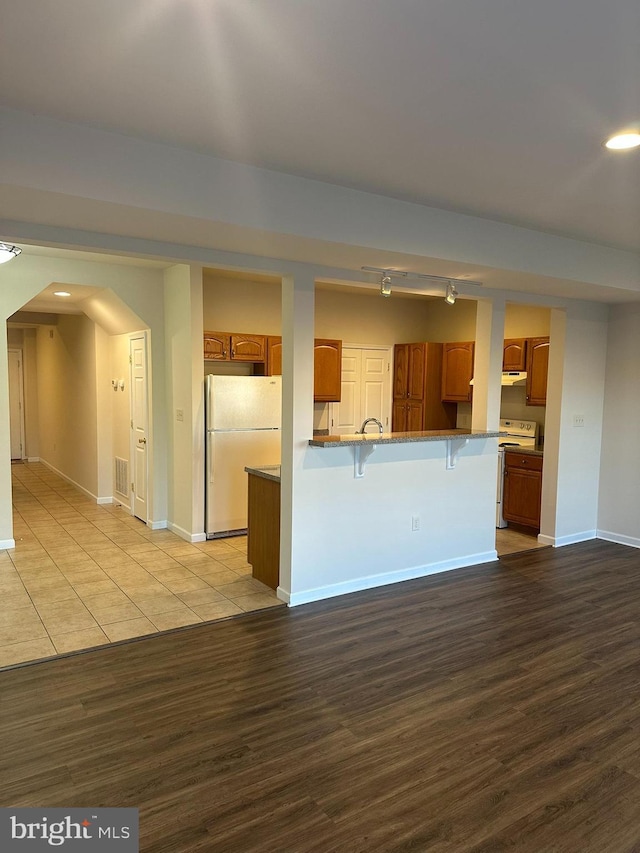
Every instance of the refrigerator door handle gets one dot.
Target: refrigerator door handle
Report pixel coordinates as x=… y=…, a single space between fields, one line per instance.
x=210 y=466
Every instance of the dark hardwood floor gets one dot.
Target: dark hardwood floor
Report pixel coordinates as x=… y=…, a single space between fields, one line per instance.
x=488 y=709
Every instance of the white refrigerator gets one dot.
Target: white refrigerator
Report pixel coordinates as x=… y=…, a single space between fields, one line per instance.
x=242 y=422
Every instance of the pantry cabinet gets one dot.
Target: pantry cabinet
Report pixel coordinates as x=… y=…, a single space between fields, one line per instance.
x=457 y=371
x=417 y=371
x=231 y=346
x=537 y=371
x=522 y=493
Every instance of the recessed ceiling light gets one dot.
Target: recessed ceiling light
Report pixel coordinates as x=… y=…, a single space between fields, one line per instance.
x=61 y=293
x=8 y=252
x=623 y=141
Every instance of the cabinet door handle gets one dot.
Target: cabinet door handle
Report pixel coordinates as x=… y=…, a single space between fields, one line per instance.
x=233 y=353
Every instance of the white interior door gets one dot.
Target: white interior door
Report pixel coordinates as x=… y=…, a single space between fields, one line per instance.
x=345 y=415
x=139 y=426
x=366 y=389
x=16 y=403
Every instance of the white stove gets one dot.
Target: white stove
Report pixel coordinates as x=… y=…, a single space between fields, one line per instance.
x=518 y=434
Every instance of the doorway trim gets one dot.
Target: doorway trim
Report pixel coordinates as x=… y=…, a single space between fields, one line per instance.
x=15 y=352
x=140 y=445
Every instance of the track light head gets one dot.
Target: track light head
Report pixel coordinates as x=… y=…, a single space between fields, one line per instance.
x=385 y=285
x=450 y=296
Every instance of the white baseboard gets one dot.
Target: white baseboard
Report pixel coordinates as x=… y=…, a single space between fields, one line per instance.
x=157 y=525
x=105 y=501
x=69 y=480
x=372 y=581
x=7 y=543
x=618 y=538
x=33 y=459
x=573 y=539
x=184 y=534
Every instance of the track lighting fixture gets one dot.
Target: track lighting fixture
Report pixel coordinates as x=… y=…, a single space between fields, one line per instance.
x=450 y=297
x=8 y=252
x=385 y=285
x=388 y=273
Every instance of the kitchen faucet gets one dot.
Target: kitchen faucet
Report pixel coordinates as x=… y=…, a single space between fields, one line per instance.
x=368 y=421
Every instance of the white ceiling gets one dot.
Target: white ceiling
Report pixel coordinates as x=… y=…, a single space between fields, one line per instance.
x=492 y=107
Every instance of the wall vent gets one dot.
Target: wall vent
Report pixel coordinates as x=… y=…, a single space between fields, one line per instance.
x=122 y=476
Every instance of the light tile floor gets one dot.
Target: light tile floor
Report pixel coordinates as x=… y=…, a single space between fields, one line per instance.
x=83 y=575
x=510 y=541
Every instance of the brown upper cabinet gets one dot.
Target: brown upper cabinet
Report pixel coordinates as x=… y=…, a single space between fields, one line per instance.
x=457 y=371
x=417 y=372
x=327 y=370
x=274 y=355
x=537 y=371
x=327 y=367
x=514 y=354
x=230 y=346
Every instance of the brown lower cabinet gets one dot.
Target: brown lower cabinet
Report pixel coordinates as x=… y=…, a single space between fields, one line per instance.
x=263 y=529
x=522 y=492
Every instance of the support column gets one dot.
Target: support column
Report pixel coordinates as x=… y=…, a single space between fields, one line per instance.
x=185 y=401
x=487 y=372
x=298 y=296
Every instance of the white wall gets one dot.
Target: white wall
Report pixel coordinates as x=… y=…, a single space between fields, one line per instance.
x=67 y=396
x=104 y=415
x=87 y=178
x=576 y=386
x=619 y=508
x=120 y=408
x=132 y=299
x=248 y=307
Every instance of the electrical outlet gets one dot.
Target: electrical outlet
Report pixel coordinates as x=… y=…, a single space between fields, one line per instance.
x=578 y=420
x=179 y=414
x=415 y=522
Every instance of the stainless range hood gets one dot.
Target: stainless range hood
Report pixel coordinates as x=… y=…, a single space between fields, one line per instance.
x=514 y=377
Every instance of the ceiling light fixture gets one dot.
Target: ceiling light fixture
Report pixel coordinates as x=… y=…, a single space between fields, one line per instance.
x=390 y=273
x=61 y=293
x=623 y=141
x=385 y=285
x=450 y=297
x=8 y=252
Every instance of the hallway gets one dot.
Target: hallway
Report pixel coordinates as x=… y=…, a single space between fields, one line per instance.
x=83 y=575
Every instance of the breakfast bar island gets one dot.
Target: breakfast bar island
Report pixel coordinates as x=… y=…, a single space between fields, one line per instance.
x=395 y=468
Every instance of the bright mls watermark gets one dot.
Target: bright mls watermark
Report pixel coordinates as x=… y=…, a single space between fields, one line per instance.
x=79 y=830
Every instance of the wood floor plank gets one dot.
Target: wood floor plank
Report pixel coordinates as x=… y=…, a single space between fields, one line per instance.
x=493 y=708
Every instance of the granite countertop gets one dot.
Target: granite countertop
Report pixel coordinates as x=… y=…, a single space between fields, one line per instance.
x=536 y=450
x=399 y=437
x=268 y=472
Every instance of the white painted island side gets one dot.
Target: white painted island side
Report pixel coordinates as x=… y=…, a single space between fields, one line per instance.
x=413 y=514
